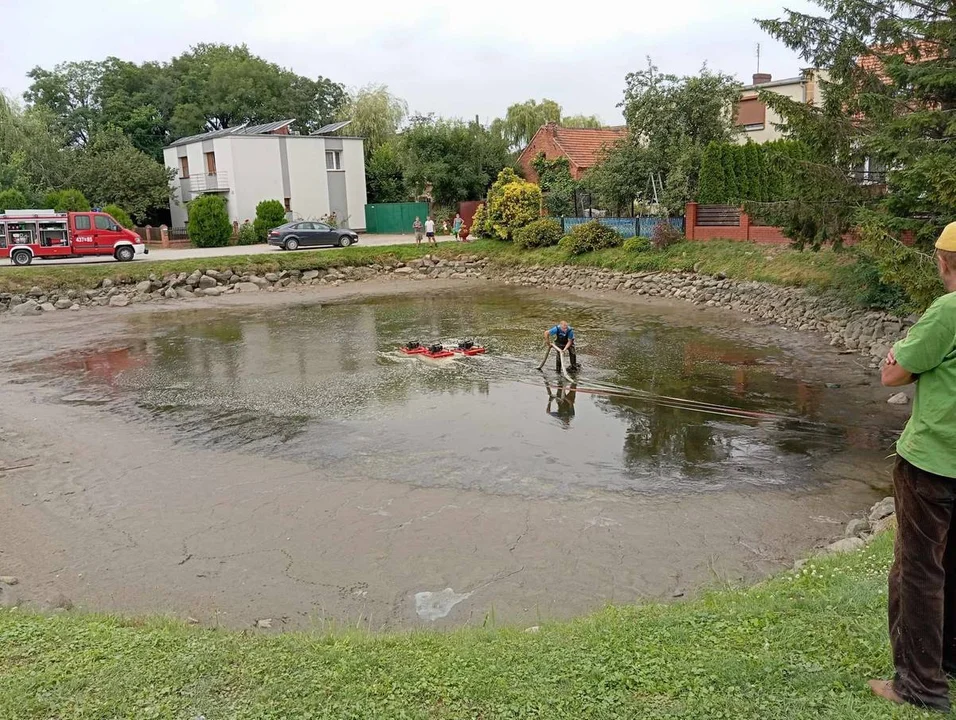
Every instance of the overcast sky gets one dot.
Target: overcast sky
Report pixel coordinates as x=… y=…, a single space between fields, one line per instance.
x=454 y=59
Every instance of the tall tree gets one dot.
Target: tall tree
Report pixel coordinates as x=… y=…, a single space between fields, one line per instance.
x=522 y=121
x=71 y=91
x=376 y=115
x=384 y=175
x=110 y=170
x=670 y=121
x=889 y=98
x=457 y=160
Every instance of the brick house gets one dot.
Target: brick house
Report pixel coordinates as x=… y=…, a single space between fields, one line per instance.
x=581 y=146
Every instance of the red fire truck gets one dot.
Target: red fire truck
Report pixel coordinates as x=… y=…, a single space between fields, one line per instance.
x=29 y=234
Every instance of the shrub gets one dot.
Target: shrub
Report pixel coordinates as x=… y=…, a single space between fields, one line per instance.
x=209 y=224
x=247 y=234
x=637 y=244
x=664 y=235
x=479 y=223
x=518 y=204
x=541 y=233
x=269 y=214
x=69 y=200
x=119 y=215
x=12 y=199
x=590 y=236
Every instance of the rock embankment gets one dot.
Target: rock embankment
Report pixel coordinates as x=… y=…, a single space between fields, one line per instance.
x=213 y=283
x=867 y=332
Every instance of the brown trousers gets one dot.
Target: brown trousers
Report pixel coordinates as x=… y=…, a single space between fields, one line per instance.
x=922 y=592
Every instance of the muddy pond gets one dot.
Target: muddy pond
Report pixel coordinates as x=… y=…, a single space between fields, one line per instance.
x=343 y=480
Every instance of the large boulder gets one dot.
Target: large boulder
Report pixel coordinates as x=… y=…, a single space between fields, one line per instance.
x=30 y=307
x=247 y=287
x=206 y=282
x=119 y=301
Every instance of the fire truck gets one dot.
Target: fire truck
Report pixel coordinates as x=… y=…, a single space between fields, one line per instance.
x=47 y=234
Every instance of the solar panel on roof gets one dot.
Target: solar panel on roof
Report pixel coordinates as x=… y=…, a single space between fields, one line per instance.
x=331 y=128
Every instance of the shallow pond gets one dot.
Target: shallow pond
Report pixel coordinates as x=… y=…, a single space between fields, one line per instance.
x=659 y=406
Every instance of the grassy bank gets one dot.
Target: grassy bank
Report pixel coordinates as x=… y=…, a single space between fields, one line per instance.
x=794 y=647
x=736 y=260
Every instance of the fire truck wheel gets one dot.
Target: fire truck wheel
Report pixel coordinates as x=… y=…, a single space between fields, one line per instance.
x=21 y=257
x=124 y=253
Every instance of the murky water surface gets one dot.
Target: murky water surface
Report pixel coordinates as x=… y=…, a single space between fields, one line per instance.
x=657 y=407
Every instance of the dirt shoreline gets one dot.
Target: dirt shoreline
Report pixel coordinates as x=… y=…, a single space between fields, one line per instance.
x=119 y=518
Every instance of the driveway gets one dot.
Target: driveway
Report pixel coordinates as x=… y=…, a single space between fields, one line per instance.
x=158 y=254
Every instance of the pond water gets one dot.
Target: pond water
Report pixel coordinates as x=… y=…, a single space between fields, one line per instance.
x=659 y=407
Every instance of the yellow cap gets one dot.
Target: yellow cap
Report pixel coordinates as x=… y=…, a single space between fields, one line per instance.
x=947 y=239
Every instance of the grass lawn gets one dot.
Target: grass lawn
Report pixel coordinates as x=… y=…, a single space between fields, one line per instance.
x=737 y=260
x=796 y=646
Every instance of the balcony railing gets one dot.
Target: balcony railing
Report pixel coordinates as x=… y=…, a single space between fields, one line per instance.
x=208 y=183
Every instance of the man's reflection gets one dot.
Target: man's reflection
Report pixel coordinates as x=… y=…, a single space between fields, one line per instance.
x=562 y=401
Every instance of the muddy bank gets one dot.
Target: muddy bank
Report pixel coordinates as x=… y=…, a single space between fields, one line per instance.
x=116 y=514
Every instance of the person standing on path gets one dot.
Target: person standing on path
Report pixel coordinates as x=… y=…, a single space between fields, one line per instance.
x=562 y=337
x=456 y=227
x=430 y=230
x=922 y=582
x=417 y=227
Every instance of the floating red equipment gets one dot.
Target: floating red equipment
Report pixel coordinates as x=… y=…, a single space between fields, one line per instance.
x=470 y=351
x=414 y=351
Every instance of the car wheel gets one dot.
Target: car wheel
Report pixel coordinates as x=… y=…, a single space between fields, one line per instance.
x=124 y=253
x=21 y=257
x=291 y=244
x=345 y=241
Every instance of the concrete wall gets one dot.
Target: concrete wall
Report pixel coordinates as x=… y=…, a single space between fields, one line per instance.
x=308 y=181
x=257 y=175
x=353 y=162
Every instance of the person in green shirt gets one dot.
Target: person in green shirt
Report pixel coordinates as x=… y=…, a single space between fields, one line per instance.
x=922 y=582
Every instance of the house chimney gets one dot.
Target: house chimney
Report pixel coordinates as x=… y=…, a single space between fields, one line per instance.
x=552 y=128
x=761 y=78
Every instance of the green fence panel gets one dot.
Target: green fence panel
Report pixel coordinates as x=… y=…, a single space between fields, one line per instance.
x=393 y=218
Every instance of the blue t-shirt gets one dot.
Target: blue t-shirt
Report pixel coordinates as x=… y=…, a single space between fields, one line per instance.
x=560 y=336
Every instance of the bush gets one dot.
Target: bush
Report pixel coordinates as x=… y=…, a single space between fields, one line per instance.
x=209 y=224
x=590 y=236
x=119 y=215
x=541 y=233
x=664 y=235
x=512 y=204
x=12 y=199
x=247 y=234
x=637 y=244
x=67 y=201
x=269 y=214
x=479 y=223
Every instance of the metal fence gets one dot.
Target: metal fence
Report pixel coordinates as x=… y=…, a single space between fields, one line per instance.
x=627 y=227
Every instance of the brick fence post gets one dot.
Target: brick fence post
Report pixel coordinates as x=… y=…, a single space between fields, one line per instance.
x=690 y=220
x=745 y=225
x=163 y=236
x=149 y=234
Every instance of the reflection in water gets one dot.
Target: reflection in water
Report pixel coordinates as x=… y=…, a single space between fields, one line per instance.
x=325 y=384
x=563 y=400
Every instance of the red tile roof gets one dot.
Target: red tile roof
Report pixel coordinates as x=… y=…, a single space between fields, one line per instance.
x=584 y=146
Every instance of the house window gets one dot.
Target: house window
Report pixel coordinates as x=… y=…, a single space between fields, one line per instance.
x=333 y=159
x=288 y=204
x=210 y=163
x=184 y=167
x=751 y=114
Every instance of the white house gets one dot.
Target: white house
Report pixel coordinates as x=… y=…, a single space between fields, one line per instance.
x=312 y=175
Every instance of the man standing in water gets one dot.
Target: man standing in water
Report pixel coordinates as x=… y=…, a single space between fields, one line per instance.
x=562 y=337
x=922 y=584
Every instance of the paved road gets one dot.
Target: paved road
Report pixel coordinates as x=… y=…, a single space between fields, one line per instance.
x=158 y=254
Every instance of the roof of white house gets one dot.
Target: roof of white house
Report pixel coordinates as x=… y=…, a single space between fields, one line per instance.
x=244 y=129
